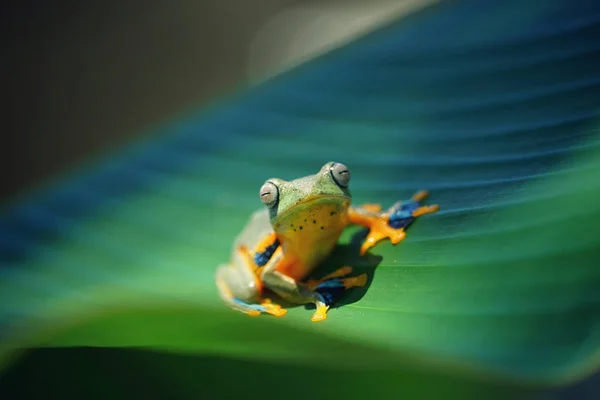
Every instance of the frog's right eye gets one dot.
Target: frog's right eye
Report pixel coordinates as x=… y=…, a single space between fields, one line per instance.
x=340 y=174
x=269 y=194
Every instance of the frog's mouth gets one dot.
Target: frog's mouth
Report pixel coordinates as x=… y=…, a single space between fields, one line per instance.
x=323 y=198
x=318 y=199
x=316 y=204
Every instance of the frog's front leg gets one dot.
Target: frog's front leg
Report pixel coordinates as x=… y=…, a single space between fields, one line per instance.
x=305 y=293
x=240 y=288
x=392 y=223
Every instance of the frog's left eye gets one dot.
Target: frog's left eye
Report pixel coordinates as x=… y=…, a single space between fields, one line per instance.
x=269 y=194
x=340 y=174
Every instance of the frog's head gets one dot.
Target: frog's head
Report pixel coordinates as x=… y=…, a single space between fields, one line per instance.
x=328 y=186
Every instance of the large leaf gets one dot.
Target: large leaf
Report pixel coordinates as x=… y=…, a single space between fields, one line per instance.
x=492 y=108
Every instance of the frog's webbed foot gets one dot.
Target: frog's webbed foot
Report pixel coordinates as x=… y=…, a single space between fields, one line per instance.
x=331 y=287
x=249 y=308
x=345 y=270
x=392 y=223
x=323 y=292
x=266 y=307
x=241 y=289
x=272 y=308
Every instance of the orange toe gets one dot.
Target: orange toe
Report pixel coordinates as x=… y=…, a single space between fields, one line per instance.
x=372 y=239
x=425 y=210
x=420 y=195
x=320 y=314
x=355 y=281
x=397 y=236
x=277 y=311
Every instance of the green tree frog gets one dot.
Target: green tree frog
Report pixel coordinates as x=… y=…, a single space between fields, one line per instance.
x=296 y=231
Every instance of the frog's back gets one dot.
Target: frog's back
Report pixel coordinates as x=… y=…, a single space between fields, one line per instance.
x=256 y=229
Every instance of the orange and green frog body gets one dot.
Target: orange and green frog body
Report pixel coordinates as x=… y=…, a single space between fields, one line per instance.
x=297 y=230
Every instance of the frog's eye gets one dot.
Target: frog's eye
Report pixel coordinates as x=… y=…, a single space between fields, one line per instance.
x=340 y=174
x=269 y=194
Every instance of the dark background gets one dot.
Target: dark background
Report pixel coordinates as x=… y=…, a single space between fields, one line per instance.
x=81 y=77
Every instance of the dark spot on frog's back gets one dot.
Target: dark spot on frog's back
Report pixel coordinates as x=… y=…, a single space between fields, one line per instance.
x=314 y=221
x=332 y=213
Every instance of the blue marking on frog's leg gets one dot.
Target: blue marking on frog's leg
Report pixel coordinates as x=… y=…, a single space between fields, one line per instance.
x=403 y=214
x=255 y=307
x=263 y=257
x=331 y=284
x=333 y=289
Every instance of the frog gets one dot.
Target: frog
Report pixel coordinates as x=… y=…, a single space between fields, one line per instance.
x=298 y=228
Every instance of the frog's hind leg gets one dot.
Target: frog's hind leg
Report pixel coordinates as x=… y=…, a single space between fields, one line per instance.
x=234 y=293
x=322 y=292
x=333 y=286
x=338 y=273
x=241 y=289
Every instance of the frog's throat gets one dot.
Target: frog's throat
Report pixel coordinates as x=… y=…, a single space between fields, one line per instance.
x=309 y=201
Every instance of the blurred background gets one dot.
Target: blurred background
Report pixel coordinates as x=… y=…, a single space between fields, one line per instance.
x=80 y=78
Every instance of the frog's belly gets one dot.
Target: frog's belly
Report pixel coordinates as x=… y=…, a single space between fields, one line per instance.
x=302 y=259
x=311 y=239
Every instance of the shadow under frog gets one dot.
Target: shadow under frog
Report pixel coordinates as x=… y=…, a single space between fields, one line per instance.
x=348 y=255
x=344 y=254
